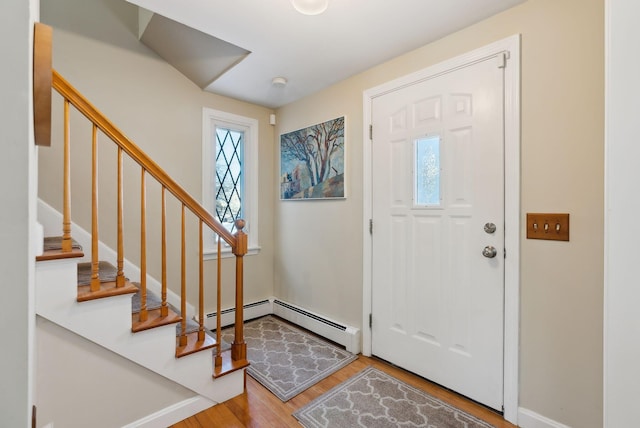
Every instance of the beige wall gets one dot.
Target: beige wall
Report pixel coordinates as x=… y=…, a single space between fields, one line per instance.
x=319 y=244
x=73 y=374
x=96 y=50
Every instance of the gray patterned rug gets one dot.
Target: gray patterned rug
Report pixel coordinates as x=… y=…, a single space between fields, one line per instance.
x=287 y=360
x=373 y=399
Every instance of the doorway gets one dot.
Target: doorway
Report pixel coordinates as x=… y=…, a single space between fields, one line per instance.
x=421 y=215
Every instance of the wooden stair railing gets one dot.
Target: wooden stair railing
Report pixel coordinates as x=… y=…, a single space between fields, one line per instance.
x=237 y=241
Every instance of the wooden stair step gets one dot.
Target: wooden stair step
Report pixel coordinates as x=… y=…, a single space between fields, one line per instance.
x=52 y=249
x=106 y=272
x=196 y=341
x=108 y=288
x=228 y=365
x=154 y=319
x=154 y=310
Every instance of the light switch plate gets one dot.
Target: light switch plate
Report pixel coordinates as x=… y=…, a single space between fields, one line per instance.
x=549 y=226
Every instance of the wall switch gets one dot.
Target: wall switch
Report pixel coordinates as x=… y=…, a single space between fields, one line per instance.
x=554 y=227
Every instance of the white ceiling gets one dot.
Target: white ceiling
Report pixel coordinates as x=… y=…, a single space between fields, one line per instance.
x=313 y=52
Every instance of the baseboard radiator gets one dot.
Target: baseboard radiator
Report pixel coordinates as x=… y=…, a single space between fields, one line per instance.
x=347 y=336
x=250 y=311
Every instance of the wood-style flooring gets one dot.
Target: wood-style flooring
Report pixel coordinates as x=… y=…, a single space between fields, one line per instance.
x=257 y=407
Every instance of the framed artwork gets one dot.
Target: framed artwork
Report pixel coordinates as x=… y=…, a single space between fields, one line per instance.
x=312 y=162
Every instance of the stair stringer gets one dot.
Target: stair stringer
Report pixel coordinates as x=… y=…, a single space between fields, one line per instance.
x=107 y=322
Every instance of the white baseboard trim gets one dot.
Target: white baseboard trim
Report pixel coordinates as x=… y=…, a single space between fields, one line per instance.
x=530 y=419
x=173 y=414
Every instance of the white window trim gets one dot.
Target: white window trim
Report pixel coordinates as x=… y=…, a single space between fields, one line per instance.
x=210 y=118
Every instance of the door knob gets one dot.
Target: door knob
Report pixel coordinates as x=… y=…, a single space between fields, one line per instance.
x=489 y=251
x=489 y=228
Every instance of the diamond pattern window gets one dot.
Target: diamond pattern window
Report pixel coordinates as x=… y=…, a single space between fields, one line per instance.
x=229 y=178
x=230 y=175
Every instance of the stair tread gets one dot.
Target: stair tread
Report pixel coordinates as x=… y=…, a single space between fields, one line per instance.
x=154 y=319
x=155 y=303
x=106 y=272
x=193 y=344
x=58 y=255
x=52 y=249
x=55 y=243
x=107 y=289
x=228 y=365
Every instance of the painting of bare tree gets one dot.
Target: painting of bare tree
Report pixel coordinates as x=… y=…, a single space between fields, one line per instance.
x=312 y=162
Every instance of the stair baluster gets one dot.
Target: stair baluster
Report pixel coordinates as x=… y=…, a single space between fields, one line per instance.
x=95 y=277
x=218 y=359
x=120 y=279
x=164 y=308
x=183 y=284
x=201 y=287
x=143 y=315
x=67 y=244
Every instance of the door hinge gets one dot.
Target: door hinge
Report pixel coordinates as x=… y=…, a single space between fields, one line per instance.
x=371 y=132
x=370 y=320
x=370 y=226
x=502 y=59
x=504 y=252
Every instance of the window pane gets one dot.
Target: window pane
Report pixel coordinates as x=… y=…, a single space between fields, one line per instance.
x=229 y=179
x=427 y=171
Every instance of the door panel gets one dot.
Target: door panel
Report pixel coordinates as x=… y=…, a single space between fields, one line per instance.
x=437 y=301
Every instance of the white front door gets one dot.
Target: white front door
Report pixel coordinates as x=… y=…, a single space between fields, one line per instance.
x=438 y=229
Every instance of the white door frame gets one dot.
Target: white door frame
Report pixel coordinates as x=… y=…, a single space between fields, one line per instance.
x=510 y=46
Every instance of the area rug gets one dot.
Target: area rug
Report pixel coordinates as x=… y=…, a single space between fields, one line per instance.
x=375 y=399
x=285 y=359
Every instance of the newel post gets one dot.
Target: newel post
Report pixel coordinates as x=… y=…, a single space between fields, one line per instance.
x=239 y=347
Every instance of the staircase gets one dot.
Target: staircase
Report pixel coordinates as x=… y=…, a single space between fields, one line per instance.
x=107 y=321
x=93 y=291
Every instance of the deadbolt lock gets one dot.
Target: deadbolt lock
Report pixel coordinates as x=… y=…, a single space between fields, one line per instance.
x=489 y=227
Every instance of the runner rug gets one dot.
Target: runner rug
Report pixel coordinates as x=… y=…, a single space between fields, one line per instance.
x=375 y=399
x=285 y=359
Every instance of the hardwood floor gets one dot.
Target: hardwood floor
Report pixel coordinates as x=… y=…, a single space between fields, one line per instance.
x=257 y=407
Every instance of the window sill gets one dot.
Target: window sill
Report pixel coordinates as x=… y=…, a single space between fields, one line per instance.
x=212 y=254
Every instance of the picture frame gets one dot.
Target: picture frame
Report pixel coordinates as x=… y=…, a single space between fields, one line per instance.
x=312 y=162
